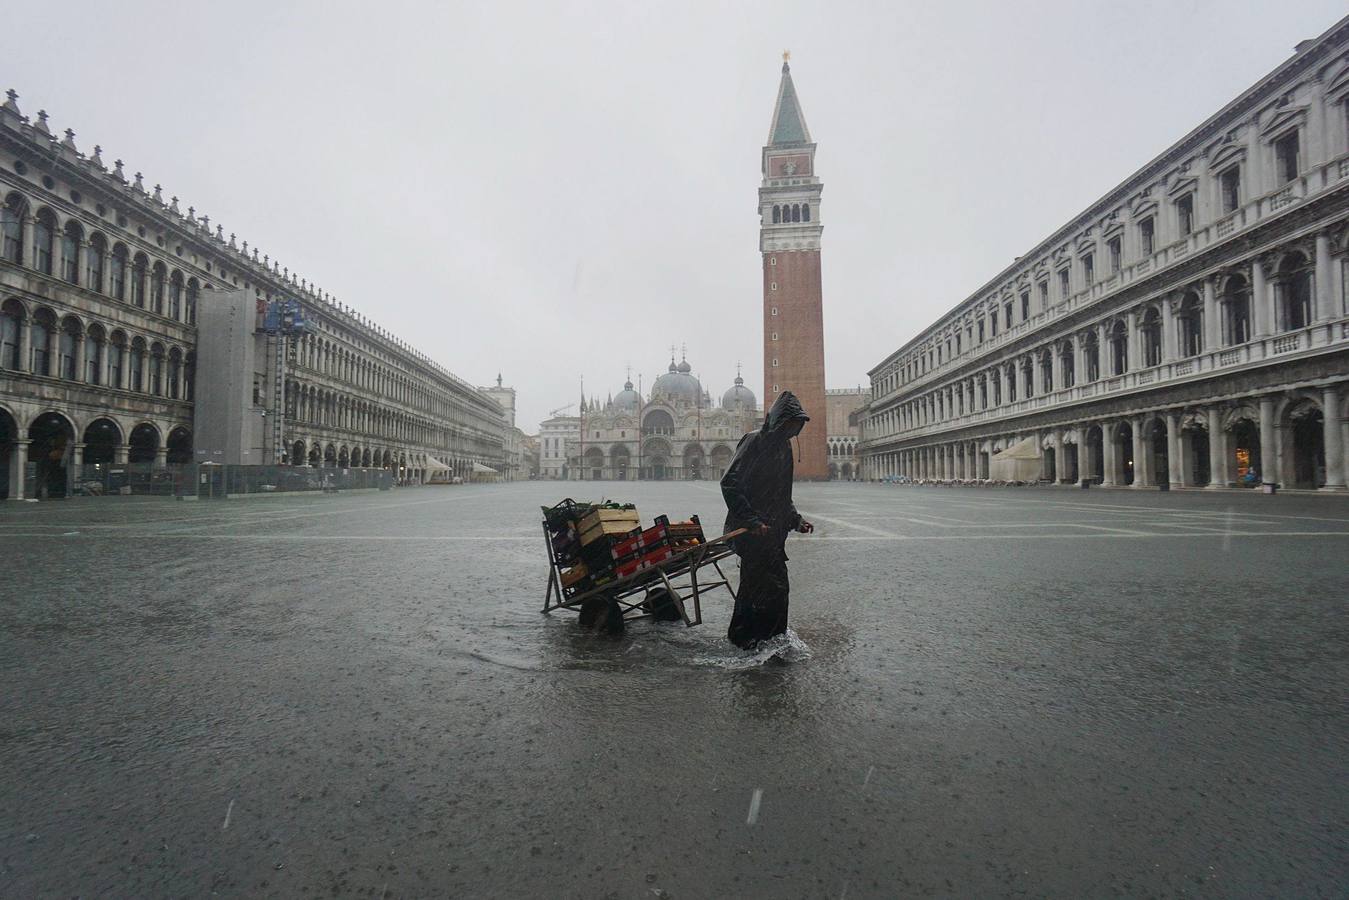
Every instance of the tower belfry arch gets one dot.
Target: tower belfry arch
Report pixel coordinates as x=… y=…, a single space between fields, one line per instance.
x=790 y=231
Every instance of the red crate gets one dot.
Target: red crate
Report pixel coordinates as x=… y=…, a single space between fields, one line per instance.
x=655 y=536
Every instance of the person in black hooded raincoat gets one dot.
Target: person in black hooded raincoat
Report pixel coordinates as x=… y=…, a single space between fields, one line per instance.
x=757 y=487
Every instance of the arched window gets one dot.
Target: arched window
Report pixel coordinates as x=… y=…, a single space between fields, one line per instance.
x=1010 y=375
x=139 y=268
x=158 y=282
x=777 y=214
x=70 y=252
x=44 y=233
x=1067 y=364
x=796 y=212
x=116 y=350
x=1293 y=292
x=1191 y=318
x=93 y=354
x=1119 y=349
x=93 y=262
x=117 y=273
x=69 y=339
x=193 y=289
x=40 y=338
x=157 y=370
x=176 y=296
x=175 y=371
x=11 y=323
x=11 y=229
x=805 y=212
x=136 y=367
x=1236 y=302
x=1152 y=337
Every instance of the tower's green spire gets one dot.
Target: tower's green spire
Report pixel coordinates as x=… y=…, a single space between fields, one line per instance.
x=789 y=125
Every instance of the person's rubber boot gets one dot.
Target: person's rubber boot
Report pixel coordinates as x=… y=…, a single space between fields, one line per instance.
x=613 y=619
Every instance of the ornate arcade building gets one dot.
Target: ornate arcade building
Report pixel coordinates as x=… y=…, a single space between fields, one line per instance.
x=100 y=280
x=1189 y=329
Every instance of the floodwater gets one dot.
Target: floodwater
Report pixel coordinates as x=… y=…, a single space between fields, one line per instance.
x=988 y=692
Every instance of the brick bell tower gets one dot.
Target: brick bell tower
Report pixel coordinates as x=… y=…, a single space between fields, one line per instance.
x=789 y=240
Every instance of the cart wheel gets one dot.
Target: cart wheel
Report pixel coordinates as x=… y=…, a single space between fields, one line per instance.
x=660 y=604
x=593 y=609
x=613 y=618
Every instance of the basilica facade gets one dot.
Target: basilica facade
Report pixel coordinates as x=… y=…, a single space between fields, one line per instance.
x=677 y=433
x=1188 y=329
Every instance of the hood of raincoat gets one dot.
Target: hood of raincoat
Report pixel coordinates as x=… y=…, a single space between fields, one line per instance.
x=784 y=409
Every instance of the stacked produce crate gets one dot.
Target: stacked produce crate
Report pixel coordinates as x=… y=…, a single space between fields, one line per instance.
x=581 y=536
x=596 y=543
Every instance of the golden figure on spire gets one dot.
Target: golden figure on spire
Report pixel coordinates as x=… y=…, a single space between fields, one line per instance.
x=786 y=56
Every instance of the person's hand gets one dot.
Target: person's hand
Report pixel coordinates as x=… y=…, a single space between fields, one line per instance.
x=805 y=527
x=761 y=531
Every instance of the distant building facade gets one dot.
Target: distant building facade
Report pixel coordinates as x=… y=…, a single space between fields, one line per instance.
x=1189 y=329
x=100 y=282
x=556 y=435
x=842 y=408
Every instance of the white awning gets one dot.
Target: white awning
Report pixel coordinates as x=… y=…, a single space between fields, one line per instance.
x=480 y=469
x=1026 y=448
x=435 y=465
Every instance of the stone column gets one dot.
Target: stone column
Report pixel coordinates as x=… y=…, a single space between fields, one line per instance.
x=1269 y=447
x=18 y=465
x=1107 y=456
x=79 y=358
x=1217 y=450
x=161 y=457
x=121 y=453
x=30 y=242
x=1135 y=354
x=26 y=344
x=1325 y=292
x=1213 y=332
x=1169 y=339
x=1174 y=464
x=1262 y=310
x=1142 y=457
x=1055 y=368
x=1330 y=407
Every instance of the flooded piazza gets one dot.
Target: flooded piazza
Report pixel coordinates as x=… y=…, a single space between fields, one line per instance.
x=990 y=692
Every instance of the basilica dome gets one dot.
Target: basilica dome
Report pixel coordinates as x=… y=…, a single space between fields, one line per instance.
x=628 y=400
x=738 y=397
x=678 y=385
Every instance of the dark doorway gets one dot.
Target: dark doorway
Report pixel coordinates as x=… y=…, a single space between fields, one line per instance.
x=9 y=433
x=100 y=442
x=143 y=444
x=1124 y=439
x=1070 y=463
x=1095 y=457
x=180 y=446
x=1309 y=450
x=1161 y=458
x=50 y=438
x=1248 y=470
x=1200 y=471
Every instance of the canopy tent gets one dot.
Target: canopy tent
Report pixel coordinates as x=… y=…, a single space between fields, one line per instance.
x=480 y=469
x=436 y=471
x=1019 y=462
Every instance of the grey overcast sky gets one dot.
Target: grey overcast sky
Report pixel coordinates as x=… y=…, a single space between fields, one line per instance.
x=558 y=190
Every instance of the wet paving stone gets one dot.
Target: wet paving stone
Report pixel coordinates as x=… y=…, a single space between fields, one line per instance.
x=1036 y=691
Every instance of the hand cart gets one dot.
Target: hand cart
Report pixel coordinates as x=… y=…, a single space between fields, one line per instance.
x=678 y=574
